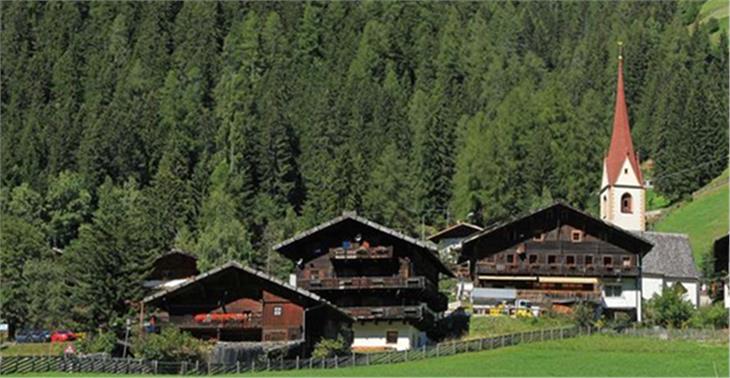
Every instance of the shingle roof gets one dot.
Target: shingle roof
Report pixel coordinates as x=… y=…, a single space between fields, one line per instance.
x=252 y=273
x=671 y=255
x=430 y=249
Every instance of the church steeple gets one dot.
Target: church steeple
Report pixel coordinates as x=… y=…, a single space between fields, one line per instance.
x=622 y=188
x=622 y=147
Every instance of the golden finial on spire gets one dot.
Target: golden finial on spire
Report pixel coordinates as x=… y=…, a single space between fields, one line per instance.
x=620 y=50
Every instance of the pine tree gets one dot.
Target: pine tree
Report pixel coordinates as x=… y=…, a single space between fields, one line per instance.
x=68 y=203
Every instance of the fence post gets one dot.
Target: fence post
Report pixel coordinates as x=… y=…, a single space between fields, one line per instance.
x=406 y=355
x=336 y=364
x=253 y=366
x=268 y=363
x=453 y=347
x=354 y=359
x=310 y=362
x=297 y=362
x=367 y=359
x=561 y=333
x=437 y=349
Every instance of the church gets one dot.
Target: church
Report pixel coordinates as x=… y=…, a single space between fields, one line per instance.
x=623 y=199
x=558 y=256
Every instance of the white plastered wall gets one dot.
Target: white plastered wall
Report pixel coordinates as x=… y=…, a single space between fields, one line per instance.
x=652 y=284
x=372 y=335
x=629 y=298
x=627 y=182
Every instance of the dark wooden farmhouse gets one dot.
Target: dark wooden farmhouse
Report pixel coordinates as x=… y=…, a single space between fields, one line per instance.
x=171 y=268
x=557 y=256
x=720 y=279
x=237 y=303
x=386 y=280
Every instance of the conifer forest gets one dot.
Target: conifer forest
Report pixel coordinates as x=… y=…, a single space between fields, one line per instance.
x=130 y=128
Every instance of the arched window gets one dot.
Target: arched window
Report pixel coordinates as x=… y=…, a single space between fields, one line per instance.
x=626 y=203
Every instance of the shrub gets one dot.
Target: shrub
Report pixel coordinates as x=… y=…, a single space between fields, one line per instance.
x=170 y=345
x=669 y=309
x=715 y=316
x=583 y=315
x=620 y=321
x=103 y=342
x=326 y=348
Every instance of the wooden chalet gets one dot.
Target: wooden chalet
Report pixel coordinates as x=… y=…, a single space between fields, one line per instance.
x=386 y=280
x=236 y=303
x=720 y=285
x=557 y=256
x=171 y=268
x=454 y=234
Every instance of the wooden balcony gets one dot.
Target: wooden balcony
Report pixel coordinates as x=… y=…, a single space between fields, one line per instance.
x=555 y=269
x=361 y=283
x=358 y=252
x=542 y=296
x=416 y=312
x=189 y=322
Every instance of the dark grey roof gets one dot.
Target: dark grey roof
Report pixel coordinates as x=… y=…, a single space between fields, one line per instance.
x=431 y=250
x=671 y=255
x=351 y=215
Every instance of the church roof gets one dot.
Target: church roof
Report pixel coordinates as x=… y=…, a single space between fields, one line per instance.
x=621 y=144
x=671 y=255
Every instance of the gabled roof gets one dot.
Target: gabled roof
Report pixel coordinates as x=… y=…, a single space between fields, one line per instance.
x=287 y=246
x=671 y=255
x=176 y=251
x=461 y=229
x=567 y=215
x=252 y=276
x=622 y=146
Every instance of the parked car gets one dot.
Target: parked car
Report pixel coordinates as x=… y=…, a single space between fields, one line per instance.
x=40 y=336
x=61 y=336
x=24 y=336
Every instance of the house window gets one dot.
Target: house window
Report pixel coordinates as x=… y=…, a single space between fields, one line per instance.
x=576 y=236
x=570 y=260
x=626 y=203
x=552 y=259
x=278 y=310
x=539 y=238
x=607 y=260
x=589 y=260
x=510 y=258
x=532 y=259
x=612 y=290
x=391 y=337
x=314 y=274
x=626 y=170
x=626 y=261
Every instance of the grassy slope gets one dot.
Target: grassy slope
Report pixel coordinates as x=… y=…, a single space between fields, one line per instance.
x=705 y=218
x=33 y=349
x=485 y=326
x=581 y=357
x=586 y=356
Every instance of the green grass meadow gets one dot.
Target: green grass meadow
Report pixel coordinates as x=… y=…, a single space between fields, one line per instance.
x=594 y=356
x=704 y=219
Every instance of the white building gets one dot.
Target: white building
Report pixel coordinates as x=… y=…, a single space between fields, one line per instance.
x=668 y=263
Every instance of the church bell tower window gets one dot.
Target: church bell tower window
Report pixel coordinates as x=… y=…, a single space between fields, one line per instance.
x=626 y=203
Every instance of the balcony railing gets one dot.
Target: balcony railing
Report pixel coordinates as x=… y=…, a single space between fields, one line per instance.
x=555 y=269
x=357 y=252
x=417 y=312
x=343 y=283
x=245 y=321
x=535 y=295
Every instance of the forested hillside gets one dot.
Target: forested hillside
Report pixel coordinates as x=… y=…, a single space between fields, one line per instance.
x=222 y=128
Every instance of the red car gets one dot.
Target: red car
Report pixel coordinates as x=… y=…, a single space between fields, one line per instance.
x=61 y=336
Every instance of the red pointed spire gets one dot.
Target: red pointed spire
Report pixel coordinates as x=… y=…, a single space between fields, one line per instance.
x=621 y=143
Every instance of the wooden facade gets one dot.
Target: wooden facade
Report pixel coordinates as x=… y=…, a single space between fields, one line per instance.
x=235 y=303
x=374 y=273
x=172 y=266
x=557 y=254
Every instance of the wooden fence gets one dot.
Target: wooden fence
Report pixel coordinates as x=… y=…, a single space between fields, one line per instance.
x=41 y=364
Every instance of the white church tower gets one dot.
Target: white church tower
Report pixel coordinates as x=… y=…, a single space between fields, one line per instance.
x=622 y=188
